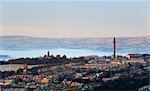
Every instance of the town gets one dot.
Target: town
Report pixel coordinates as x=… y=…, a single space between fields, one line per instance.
x=84 y=73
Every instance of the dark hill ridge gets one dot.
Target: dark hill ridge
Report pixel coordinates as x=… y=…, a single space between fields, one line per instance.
x=124 y=44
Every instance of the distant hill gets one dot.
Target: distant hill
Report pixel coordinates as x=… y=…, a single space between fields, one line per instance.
x=124 y=44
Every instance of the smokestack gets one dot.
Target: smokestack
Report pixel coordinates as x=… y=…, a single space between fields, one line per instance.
x=114 y=48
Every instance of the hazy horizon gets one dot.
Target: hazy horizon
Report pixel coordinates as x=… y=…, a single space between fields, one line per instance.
x=74 y=19
x=72 y=37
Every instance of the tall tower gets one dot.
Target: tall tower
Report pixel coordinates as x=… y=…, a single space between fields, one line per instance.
x=114 y=48
x=48 y=54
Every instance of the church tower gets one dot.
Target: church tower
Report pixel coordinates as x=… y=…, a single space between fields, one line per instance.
x=48 y=54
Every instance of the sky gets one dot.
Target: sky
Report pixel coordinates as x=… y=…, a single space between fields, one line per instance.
x=57 y=19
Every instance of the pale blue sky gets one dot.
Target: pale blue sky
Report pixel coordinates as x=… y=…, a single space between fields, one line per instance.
x=74 y=18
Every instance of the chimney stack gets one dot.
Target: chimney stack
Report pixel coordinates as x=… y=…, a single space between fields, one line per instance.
x=114 y=48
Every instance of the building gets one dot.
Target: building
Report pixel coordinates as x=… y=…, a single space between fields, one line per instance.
x=47 y=55
x=134 y=56
x=25 y=69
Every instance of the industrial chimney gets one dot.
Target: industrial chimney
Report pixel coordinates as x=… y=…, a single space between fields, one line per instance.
x=114 y=48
